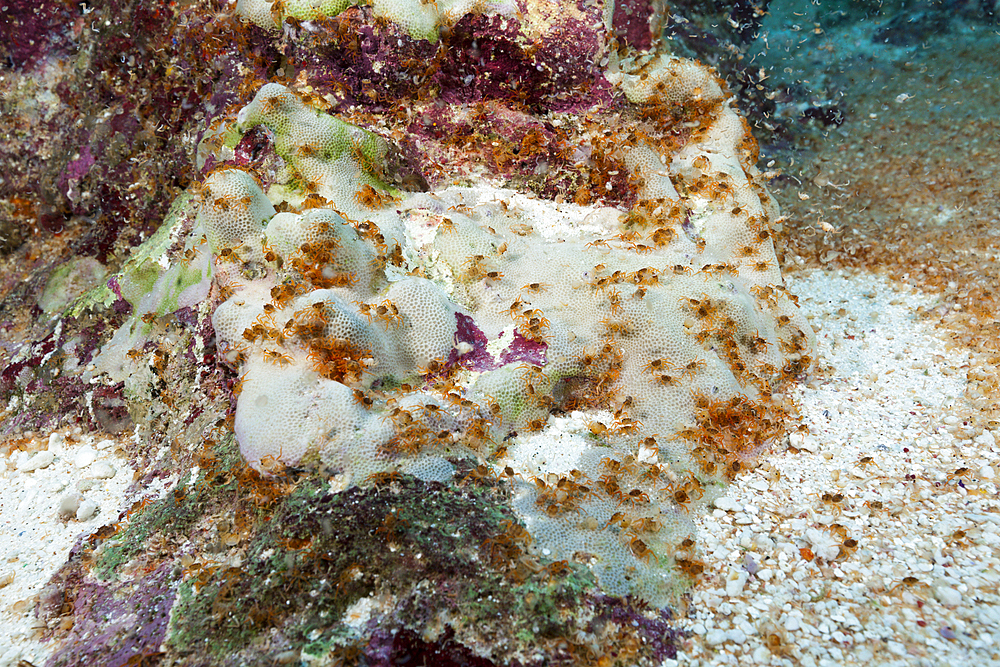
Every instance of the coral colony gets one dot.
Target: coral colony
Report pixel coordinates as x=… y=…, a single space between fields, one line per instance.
x=504 y=331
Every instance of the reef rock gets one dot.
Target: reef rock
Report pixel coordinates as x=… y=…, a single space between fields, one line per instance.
x=469 y=311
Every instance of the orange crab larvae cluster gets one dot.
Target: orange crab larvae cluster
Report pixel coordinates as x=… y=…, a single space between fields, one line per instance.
x=386 y=312
x=432 y=426
x=414 y=432
x=645 y=277
x=730 y=433
x=716 y=328
x=664 y=216
x=338 y=359
x=479 y=267
x=634 y=530
x=631 y=483
x=508 y=551
x=622 y=424
x=369 y=231
x=333 y=358
x=313 y=261
x=531 y=322
x=559 y=494
x=371 y=198
x=595 y=387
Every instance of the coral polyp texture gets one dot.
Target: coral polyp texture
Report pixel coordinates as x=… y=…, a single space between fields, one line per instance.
x=617 y=364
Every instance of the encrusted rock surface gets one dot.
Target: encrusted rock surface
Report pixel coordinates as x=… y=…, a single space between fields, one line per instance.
x=577 y=214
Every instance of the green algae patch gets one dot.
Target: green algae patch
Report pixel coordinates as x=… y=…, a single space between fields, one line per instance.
x=164 y=273
x=323 y=153
x=321 y=558
x=171 y=515
x=177 y=514
x=70 y=282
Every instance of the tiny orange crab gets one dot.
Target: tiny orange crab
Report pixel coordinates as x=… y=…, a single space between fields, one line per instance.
x=381 y=478
x=277 y=357
x=865 y=461
x=271 y=464
x=480 y=472
x=693 y=367
x=657 y=365
x=633 y=497
x=388 y=314
x=907 y=582
x=598 y=428
x=960 y=472
x=363 y=399
x=238 y=384
x=641 y=550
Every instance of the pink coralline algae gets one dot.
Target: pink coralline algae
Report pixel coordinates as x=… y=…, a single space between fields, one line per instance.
x=31 y=31
x=478 y=358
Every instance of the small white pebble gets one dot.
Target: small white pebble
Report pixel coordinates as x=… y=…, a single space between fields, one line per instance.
x=716 y=637
x=11 y=655
x=102 y=470
x=37 y=462
x=735 y=582
x=105 y=444
x=88 y=508
x=56 y=439
x=986 y=472
x=726 y=503
x=69 y=505
x=803 y=441
x=736 y=636
x=810 y=445
x=85 y=457
x=948 y=596
x=792 y=623
x=986 y=438
x=823 y=543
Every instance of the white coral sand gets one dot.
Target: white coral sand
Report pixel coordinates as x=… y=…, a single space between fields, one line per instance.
x=918 y=586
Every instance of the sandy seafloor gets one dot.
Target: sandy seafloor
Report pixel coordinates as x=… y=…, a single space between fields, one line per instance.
x=872 y=536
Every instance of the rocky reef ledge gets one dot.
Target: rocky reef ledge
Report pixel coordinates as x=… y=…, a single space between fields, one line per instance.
x=424 y=330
